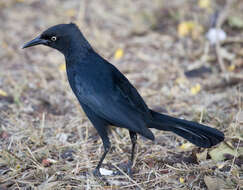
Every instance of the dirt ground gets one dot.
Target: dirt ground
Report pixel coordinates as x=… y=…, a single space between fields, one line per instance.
x=47 y=142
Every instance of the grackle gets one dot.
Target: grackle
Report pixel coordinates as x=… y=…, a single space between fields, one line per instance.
x=108 y=98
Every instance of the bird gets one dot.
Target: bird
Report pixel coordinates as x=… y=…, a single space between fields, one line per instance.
x=109 y=99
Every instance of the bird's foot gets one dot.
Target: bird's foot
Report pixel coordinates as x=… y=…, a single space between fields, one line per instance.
x=98 y=175
x=127 y=168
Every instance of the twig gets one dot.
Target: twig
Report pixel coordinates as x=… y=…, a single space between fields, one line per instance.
x=127 y=176
x=81 y=16
x=222 y=17
x=42 y=125
x=12 y=154
x=229 y=40
x=233 y=161
x=34 y=160
x=220 y=59
x=177 y=169
x=233 y=79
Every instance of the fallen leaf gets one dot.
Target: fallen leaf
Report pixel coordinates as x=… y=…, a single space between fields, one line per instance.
x=204 y=4
x=227 y=54
x=186 y=146
x=218 y=154
x=195 y=89
x=231 y=67
x=118 y=54
x=235 y=172
x=3 y=93
x=235 y=21
x=184 y=28
x=182 y=180
x=70 y=12
x=181 y=80
x=221 y=165
x=202 y=156
x=62 y=67
x=213 y=183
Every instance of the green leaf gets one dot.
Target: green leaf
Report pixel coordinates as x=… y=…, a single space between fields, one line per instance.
x=218 y=153
x=235 y=21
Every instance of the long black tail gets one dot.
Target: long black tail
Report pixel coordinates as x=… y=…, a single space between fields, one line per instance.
x=198 y=134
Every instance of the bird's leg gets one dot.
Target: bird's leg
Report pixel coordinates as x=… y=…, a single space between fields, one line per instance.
x=101 y=127
x=133 y=137
x=107 y=146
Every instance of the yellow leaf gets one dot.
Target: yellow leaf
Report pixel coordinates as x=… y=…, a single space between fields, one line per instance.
x=70 y=12
x=3 y=93
x=221 y=165
x=185 y=28
x=204 y=4
x=181 y=80
x=186 y=146
x=182 y=180
x=62 y=67
x=195 y=89
x=119 y=54
x=231 y=67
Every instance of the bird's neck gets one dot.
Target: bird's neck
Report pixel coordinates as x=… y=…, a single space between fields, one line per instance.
x=79 y=48
x=77 y=54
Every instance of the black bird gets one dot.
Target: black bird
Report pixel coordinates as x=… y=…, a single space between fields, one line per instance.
x=108 y=98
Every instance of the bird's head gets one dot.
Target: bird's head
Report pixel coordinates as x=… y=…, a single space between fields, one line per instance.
x=62 y=37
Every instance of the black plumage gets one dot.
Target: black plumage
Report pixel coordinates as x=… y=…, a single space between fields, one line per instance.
x=108 y=98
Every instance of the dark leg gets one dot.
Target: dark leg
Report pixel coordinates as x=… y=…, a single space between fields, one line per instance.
x=106 y=150
x=101 y=126
x=133 y=137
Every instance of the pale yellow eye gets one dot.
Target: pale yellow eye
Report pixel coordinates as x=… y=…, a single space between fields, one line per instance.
x=53 y=38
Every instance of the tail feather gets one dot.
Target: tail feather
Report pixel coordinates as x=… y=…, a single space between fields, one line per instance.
x=198 y=134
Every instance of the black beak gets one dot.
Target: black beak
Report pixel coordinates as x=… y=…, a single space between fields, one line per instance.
x=34 y=42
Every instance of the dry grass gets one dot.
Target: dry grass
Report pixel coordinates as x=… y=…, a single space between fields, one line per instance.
x=41 y=119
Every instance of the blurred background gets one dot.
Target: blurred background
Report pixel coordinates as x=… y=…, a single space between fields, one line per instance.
x=184 y=57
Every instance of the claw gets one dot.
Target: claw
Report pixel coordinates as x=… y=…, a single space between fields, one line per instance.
x=127 y=168
x=98 y=175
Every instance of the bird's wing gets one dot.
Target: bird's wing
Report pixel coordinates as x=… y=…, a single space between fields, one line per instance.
x=129 y=92
x=113 y=104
